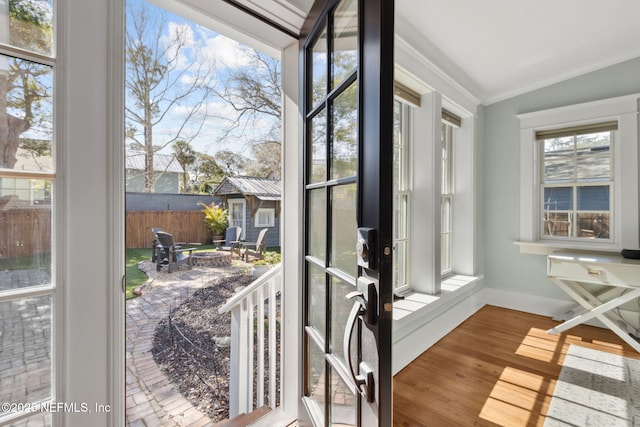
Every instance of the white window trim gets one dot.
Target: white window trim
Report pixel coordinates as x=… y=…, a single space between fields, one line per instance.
x=272 y=217
x=464 y=215
x=624 y=109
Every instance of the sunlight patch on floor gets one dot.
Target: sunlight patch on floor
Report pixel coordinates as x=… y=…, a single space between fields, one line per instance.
x=514 y=396
x=541 y=346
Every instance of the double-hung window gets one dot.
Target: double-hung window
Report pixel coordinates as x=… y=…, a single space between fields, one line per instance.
x=401 y=194
x=446 y=199
x=577 y=182
x=579 y=177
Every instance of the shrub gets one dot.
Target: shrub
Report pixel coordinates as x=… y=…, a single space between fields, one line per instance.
x=270 y=258
x=215 y=217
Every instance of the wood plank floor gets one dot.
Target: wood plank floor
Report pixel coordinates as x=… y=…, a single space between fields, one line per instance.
x=498 y=368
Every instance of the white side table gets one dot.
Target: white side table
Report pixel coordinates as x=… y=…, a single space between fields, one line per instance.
x=570 y=271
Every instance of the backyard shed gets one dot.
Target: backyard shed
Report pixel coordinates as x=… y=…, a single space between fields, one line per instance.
x=254 y=204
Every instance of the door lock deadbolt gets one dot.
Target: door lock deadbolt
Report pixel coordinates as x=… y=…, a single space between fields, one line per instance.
x=366 y=247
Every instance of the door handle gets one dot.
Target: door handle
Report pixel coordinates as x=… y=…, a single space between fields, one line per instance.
x=364 y=380
x=368 y=300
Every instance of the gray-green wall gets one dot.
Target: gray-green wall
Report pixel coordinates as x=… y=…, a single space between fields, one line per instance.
x=499 y=156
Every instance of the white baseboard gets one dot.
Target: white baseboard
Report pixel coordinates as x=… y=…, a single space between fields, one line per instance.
x=412 y=345
x=549 y=307
x=408 y=347
x=526 y=302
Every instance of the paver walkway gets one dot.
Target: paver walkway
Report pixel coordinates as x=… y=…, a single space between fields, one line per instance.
x=25 y=343
x=151 y=398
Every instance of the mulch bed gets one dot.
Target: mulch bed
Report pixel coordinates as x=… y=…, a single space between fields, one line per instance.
x=191 y=346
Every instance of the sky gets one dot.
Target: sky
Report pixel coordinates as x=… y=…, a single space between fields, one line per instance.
x=210 y=46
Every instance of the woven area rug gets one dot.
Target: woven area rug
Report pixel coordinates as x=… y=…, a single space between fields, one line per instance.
x=596 y=389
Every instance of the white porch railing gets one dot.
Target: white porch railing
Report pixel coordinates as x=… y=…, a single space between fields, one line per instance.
x=255 y=358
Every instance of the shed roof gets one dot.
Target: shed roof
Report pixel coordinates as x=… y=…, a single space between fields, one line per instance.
x=262 y=188
x=161 y=162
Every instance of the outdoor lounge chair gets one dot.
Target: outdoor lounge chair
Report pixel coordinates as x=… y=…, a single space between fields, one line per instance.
x=259 y=247
x=171 y=254
x=154 y=244
x=231 y=239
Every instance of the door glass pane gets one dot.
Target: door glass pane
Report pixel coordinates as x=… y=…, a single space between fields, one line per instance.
x=317 y=235
x=343 y=403
x=345 y=133
x=30 y=25
x=343 y=228
x=40 y=420
x=316 y=375
x=317 y=296
x=25 y=233
x=340 y=308
x=237 y=216
x=345 y=41
x=318 y=169
x=25 y=359
x=319 y=69
x=26 y=121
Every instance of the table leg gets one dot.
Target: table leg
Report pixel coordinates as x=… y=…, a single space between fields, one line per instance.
x=595 y=309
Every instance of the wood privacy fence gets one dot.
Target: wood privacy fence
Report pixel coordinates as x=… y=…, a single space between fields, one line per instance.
x=25 y=232
x=185 y=226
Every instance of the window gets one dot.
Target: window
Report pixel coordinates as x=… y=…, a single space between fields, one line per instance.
x=446 y=199
x=401 y=194
x=577 y=183
x=579 y=178
x=27 y=184
x=265 y=217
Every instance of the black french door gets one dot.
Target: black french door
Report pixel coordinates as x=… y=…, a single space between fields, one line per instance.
x=347 y=90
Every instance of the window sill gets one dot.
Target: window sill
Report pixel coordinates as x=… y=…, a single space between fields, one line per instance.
x=548 y=247
x=416 y=307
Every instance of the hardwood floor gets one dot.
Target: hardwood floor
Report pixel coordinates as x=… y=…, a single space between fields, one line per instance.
x=498 y=368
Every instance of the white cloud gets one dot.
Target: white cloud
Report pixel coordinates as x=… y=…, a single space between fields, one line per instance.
x=226 y=52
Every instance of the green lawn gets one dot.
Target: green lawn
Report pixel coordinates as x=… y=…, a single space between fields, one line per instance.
x=135 y=277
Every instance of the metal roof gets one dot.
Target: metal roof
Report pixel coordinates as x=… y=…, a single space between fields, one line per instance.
x=161 y=163
x=262 y=188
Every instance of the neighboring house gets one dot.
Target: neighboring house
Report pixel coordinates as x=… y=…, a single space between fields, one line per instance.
x=254 y=204
x=167 y=172
x=17 y=193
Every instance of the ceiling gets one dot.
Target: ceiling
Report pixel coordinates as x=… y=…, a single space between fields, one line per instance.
x=497 y=49
x=509 y=47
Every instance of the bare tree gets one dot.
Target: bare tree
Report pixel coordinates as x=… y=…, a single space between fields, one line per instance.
x=166 y=69
x=254 y=92
x=25 y=86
